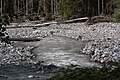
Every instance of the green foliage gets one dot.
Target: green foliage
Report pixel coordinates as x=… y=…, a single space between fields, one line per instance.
x=88 y=74
x=63 y=9
x=116 y=14
x=3 y=34
x=68 y=8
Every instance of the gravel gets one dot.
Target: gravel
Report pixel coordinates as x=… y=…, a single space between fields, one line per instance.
x=105 y=46
x=104 y=50
x=73 y=30
x=15 y=55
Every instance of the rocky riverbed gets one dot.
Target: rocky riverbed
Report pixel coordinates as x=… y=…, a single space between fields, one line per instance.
x=101 y=35
x=73 y=30
x=15 y=55
x=18 y=63
x=105 y=50
x=101 y=39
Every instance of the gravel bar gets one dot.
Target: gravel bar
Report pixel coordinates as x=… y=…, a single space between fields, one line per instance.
x=104 y=47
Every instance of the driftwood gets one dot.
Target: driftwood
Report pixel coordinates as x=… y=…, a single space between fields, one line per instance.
x=47 y=23
x=24 y=39
x=77 y=20
x=33 y=26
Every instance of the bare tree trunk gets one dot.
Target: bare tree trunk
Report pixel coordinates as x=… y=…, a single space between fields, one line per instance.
x=15 y=9
x=98 y=7
x=18 y=5
x=1 y=8
x=52 y=9
x=44 y=6
x=26 y=7
x=32 y=7
x=102 y=5
x=39 y=7
x=56 y=6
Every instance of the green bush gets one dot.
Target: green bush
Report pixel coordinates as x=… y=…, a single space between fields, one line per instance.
x=116 y=14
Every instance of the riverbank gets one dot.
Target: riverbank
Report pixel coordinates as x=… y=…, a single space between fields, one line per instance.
x=101 y=35
x=74 y=73
x=18 y=63
x=15 y=55
x=101 y=39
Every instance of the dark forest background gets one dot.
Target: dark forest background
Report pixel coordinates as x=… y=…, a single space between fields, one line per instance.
x=59 y=9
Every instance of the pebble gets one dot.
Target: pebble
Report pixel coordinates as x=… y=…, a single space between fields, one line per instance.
x=30 y=76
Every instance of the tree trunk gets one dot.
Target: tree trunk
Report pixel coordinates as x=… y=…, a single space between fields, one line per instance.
x=26 y=7
x=98 y=7
x=15 y=9
x=102 y=11
x=18 y=5
x=39 y=7
x=30 y=6
x=52 y=9
x=1 y=8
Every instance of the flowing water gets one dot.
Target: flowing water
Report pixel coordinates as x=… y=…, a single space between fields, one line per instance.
x=61 y=51
x=27 y=72
x=52 y=50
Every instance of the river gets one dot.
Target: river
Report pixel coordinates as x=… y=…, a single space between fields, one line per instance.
x=54 y=52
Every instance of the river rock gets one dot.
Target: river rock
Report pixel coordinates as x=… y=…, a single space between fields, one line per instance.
x=15 y=55
x=106 y=50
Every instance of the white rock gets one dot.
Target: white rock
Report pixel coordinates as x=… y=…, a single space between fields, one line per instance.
x=30 y=76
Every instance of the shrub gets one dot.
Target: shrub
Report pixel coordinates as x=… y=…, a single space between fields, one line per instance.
x=116 y=8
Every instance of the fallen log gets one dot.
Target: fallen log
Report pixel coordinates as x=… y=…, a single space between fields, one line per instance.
x=84 y=19
x=21 y=25
x=45 y=24
x=24 y=39
x=33 y=26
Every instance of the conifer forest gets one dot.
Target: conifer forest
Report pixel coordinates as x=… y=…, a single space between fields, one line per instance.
x=59 y=39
